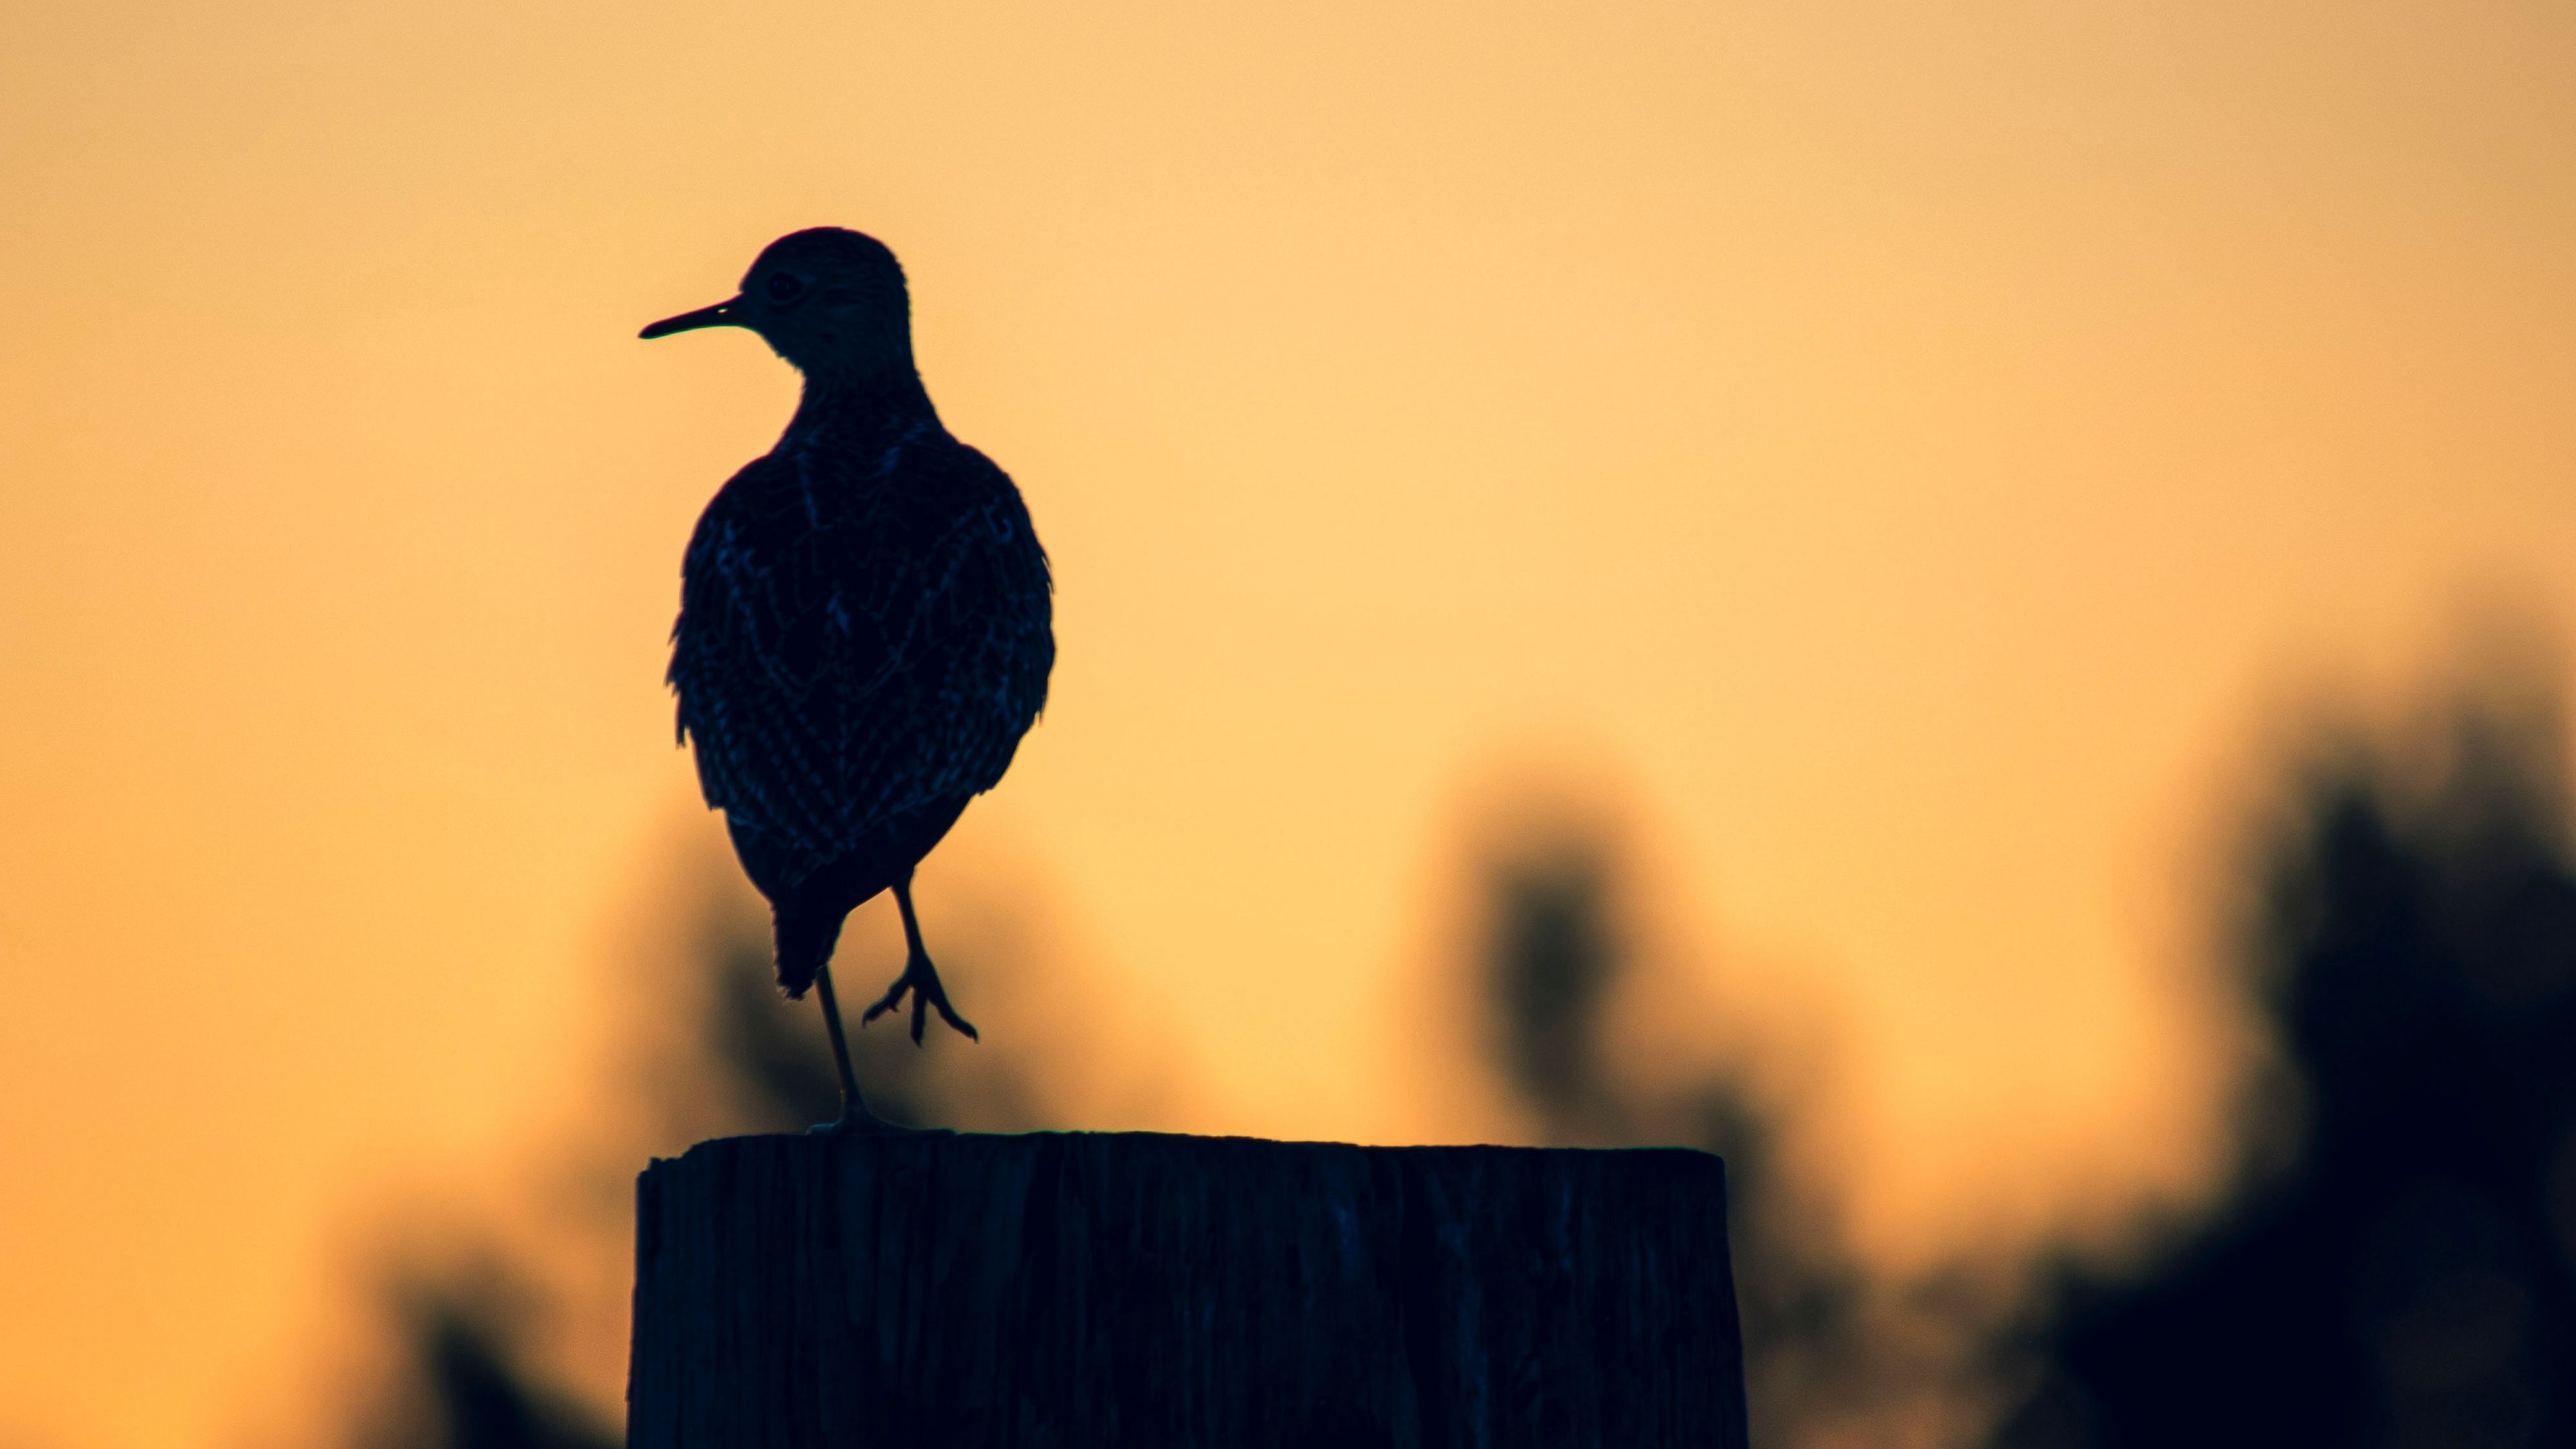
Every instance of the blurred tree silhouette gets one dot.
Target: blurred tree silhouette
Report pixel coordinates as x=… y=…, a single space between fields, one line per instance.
x=2395 y=1266
x=1553 y=955
x=1834 y=1355
x=466 y=1382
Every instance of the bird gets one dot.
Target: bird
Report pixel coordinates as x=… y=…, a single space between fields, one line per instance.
x=866 y=624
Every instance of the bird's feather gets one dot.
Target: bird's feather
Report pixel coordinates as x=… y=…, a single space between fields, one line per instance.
x=864 y=631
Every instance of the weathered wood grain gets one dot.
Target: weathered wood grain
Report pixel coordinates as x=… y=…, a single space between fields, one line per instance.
x=1143 y=1290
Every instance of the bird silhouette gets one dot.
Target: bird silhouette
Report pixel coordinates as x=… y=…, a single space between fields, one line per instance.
x=865 y=623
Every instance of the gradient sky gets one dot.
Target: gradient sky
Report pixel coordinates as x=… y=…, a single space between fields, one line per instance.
x=1908 y=444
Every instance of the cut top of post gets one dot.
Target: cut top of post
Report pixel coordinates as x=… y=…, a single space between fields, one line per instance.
x=1137 y=1288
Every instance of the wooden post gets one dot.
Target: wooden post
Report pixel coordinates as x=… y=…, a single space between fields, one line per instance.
x=1135 y=1289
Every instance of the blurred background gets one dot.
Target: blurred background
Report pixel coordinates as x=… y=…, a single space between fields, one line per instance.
x=1962 y=605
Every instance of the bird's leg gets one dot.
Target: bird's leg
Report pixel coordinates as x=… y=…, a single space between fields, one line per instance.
x=919 y=977
x=855 y=1116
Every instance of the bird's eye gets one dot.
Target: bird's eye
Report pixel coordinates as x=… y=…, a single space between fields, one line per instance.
x=784 y=288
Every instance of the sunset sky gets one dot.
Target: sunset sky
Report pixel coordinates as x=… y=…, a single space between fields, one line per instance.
x=1915 y=452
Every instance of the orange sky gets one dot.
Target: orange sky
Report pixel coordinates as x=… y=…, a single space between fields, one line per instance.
x=1910 y=445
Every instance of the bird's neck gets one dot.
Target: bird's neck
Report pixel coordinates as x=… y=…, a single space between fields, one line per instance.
x=845 y=408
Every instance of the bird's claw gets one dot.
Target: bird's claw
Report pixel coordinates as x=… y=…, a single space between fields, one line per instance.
x=922 y=980
x=860 y=1123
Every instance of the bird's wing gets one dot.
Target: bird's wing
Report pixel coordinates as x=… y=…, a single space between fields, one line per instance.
x=826 y=656
x=773 y=649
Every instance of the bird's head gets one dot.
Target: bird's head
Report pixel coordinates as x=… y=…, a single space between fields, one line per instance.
x=829 y=300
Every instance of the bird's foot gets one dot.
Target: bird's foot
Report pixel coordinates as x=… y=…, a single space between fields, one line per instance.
x=922 y=980
x=860 y=1122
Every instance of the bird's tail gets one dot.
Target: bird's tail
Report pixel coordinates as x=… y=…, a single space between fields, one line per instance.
x=805 y=941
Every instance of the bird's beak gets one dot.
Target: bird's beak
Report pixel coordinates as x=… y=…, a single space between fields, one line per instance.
x=723 y=314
